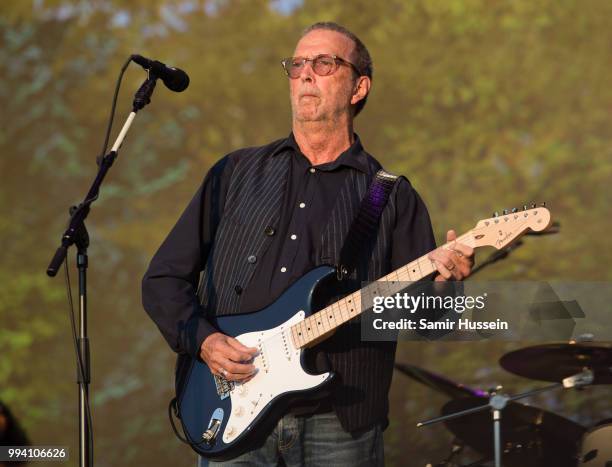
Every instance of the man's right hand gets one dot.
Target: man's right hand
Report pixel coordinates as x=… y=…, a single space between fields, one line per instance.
x=227 y=357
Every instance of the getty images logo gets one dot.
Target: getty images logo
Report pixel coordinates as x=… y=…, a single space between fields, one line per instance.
x=412 y=303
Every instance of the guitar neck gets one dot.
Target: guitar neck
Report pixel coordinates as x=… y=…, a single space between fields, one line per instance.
x=320 y=325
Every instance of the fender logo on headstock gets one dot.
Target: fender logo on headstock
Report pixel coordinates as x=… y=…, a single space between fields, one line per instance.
x=500 y=241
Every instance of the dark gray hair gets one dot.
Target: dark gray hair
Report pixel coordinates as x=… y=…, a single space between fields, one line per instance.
x=363 y=61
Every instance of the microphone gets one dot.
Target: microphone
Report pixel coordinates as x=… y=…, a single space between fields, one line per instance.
x=175 y=79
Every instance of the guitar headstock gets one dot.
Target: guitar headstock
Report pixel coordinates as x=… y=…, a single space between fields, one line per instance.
x=502 y=229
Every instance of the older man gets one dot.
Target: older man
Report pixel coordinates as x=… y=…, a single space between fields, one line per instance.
x=265 y=216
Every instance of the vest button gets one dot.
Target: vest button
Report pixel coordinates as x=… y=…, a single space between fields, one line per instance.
x=269 y=231
x=238 y=289
x=252 y=259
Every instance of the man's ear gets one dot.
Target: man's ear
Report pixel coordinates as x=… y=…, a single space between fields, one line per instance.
x=361 y=89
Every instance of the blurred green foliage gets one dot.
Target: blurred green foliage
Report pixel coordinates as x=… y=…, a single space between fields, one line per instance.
x=483 y=105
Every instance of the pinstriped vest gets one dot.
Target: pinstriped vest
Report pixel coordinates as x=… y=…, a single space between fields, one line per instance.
x=253 y=202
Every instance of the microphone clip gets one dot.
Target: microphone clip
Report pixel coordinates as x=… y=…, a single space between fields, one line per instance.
x=143 y=95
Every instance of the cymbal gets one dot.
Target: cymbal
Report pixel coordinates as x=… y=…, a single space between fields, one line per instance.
x=438 y=382
x=530 y=436
x=554 y=362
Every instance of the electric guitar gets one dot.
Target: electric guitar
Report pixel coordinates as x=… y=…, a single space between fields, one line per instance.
x=222 y=419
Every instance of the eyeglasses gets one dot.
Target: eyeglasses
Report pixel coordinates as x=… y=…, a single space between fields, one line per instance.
x=322 y=65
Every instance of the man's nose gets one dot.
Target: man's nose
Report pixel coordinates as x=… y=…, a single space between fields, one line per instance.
x=307 y=73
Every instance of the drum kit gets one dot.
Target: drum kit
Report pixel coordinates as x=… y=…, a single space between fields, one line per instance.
x=509 y=433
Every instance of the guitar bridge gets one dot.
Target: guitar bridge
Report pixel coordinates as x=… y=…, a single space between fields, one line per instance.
x=224 y=387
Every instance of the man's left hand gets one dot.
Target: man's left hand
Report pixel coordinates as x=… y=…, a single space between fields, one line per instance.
x=454 y=263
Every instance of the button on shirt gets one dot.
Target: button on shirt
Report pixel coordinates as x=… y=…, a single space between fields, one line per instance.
x=311 y=193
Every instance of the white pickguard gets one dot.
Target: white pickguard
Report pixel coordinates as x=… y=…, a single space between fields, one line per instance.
x=279 y=371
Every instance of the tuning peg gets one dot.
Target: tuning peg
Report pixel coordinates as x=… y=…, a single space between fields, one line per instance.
x=524 y=207
x=514 y=210
x=533 y=205
x=496 y=214
x=505 y=211
x=543 y=204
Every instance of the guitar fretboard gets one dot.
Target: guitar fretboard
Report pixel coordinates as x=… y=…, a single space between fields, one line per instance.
x=320 y=325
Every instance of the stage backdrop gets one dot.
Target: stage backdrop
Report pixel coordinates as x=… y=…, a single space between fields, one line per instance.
x=482 y=105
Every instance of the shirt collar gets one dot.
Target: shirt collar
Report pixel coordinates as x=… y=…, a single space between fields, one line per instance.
x=355 y=156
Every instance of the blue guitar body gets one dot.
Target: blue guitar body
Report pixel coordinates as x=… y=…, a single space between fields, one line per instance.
x=223 y=419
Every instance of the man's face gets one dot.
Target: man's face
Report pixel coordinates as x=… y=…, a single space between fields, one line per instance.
x=321 y=98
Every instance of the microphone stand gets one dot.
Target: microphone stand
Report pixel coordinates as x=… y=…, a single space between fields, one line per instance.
x=76 y=234
x=497 y=402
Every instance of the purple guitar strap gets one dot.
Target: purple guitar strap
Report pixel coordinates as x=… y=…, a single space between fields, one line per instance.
x=360 y=238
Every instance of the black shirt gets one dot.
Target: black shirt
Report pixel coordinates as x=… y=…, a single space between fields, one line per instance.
x=170 y=283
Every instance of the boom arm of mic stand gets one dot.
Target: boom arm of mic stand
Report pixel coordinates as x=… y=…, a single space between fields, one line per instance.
x=79 y=215
x=142 y=98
